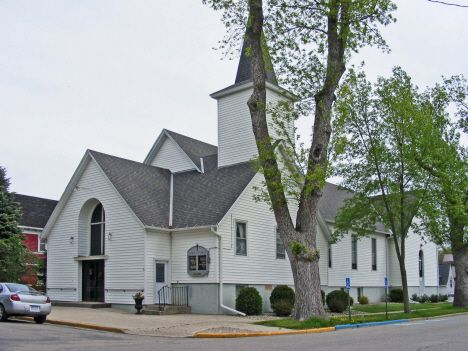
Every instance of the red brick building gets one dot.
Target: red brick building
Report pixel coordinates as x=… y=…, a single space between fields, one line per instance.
x=36 y=212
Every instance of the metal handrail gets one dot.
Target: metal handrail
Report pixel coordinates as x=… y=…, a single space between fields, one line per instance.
x=175 y=296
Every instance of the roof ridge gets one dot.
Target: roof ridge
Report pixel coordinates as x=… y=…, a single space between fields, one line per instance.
x=185 y=136
x=35 y=197
x=126 y=159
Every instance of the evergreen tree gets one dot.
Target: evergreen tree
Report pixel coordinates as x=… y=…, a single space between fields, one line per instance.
x=15 y=262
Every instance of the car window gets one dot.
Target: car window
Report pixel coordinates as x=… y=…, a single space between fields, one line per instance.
x=31 y=289
x=17 y=287
x=1 y=288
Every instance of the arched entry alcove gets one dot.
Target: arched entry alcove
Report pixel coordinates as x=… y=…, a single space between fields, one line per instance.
x=91 y=247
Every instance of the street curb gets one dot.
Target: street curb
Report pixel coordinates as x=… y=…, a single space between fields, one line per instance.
x=245 y=335
x=370 y=324
x=80 y=325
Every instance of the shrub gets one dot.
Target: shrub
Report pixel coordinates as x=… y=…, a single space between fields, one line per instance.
x=323 y=297
x=434 y=298
x=336 y=304
x=282 y=308
x=415 y=298
x=396 y=295
x=249 y=301
x=282 y=292
x=443 y=298
x=424 y=298
x=337 y=294
x=363 y=300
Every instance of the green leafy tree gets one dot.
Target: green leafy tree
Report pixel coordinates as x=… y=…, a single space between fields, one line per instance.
x=439 y=152
x=310 y=42
x=373 y=142
x=15 y=262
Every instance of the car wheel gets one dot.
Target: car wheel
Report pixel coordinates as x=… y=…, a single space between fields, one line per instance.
x=3 y=314
x=40 y=319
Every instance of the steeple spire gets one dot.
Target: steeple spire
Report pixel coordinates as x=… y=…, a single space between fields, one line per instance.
x=245 y=68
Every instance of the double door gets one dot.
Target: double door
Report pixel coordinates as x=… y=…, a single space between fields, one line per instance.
x=93 y=280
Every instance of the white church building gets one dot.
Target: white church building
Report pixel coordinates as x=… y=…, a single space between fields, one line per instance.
x=182 y=225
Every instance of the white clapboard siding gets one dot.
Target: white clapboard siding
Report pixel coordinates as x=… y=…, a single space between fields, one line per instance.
x=158 y=247
x=171 y=157
x=124 y=269
x=363 y=276
x=181 y=243
x=236 y=140
x=414 y=244
x=260 y=266
x=322 y=245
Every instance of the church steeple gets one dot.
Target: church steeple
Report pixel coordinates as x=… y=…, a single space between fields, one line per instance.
x=245 y=68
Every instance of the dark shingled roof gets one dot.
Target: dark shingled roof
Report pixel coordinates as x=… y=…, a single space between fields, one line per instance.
x=332 y=199
x=444 y=270
x=245 y=68
x=204 y=198
x=35 y=210
x=143 y=187
x=192 y=147
x=199 y=198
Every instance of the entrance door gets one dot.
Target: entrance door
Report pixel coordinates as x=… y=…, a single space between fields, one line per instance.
x=93 y=280
x=161 y=280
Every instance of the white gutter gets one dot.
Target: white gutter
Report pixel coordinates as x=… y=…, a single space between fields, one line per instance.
x=177 y=229
x=171 y=200
x=221 y=276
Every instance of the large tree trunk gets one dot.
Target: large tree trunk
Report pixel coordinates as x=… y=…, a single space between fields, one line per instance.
x=460 y=258
x=305 y=260
x=400 y=252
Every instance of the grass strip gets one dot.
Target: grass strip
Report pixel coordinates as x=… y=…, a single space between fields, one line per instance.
x=393 y=307
x=334 y=321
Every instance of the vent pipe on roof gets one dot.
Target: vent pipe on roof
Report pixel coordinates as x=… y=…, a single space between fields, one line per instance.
x=202 y=165
x=171 y=200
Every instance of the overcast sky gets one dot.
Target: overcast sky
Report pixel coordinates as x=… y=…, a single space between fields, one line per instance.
x=109 y=75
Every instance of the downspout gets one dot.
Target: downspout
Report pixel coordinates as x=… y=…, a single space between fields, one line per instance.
x=171 y=200
x=221 y=276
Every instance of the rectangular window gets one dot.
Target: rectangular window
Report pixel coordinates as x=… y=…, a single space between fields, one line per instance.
x=353 y=252
x=374 y=254
x=241 y=238
x=160 y=273
x=329 y=256
x=42 y=245
x=280 y=252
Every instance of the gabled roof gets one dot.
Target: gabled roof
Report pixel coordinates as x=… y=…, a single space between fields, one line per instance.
x=192 y=149
x=195 y=149
x=36 y=211
x=144 y=188
x=204 y=198
x=332 y=199
x=444 y=270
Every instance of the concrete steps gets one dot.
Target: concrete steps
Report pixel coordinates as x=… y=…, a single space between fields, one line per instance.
x=82 y=304
x=168 y=309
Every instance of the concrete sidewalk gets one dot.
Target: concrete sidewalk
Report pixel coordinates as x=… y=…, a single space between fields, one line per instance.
x=181 y=325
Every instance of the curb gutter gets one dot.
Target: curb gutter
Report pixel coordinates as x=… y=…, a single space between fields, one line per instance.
x=244 y=335
x=79 y=325
x=370 y=324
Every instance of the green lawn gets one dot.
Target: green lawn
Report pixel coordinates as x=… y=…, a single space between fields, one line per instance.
x=398 y=307
x=312 y=323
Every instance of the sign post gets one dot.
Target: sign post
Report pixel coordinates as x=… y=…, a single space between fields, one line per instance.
x=386 y=298
x=348 y=286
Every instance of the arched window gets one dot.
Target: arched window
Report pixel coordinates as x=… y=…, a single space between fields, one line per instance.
x=421 y=264
x=98 y=220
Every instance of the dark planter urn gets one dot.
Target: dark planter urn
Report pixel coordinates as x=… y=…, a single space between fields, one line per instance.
x=138 y=305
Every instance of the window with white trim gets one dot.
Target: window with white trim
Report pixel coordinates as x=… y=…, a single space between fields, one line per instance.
x=97 y=231
x=42 y=245
x=241 y=238
x=353 y=252
x=374 y=253
x=280 y=252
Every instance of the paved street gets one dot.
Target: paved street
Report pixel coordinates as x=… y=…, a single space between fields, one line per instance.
x=447 y=334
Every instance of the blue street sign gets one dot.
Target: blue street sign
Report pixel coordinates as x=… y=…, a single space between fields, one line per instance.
x=386 y=283
x=348 y=284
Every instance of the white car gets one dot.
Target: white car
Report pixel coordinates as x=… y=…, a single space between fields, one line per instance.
x=22 y=300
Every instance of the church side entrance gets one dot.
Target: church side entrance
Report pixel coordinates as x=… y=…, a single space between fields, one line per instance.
x=93 y=280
